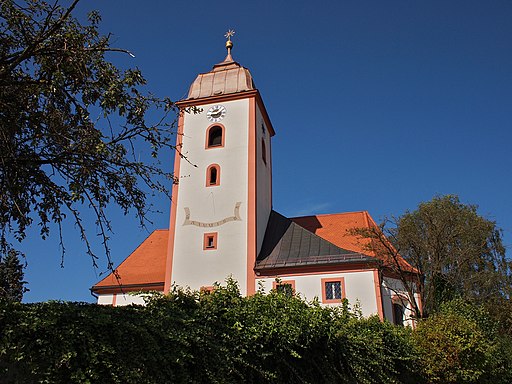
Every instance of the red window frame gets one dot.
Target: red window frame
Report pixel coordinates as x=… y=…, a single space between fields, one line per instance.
x=223 y=130
x=209 y=182
x=341 y=280
x=210 y=237
x=276 y=284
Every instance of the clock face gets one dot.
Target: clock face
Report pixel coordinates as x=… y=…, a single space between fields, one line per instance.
x=216 y=113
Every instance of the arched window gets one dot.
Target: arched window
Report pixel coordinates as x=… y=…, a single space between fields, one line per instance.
x=398 y=314
x=399 y=306
x=215 y=136
x=263 y=151
x=213 y=175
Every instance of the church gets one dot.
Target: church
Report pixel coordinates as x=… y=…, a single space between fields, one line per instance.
x=222 y=221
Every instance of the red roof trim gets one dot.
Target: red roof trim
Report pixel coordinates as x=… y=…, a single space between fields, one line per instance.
x=128 y=288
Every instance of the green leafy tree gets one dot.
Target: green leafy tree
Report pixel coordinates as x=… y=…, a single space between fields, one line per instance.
x=73 y=126
x=453 y=250
x=12 y=286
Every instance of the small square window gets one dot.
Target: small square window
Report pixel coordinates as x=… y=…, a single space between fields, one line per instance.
x=333 y=290
x=285 y=286
x=206 y=290
x=210 y=241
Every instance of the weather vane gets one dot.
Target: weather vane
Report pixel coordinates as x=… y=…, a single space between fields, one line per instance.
x=229 y=33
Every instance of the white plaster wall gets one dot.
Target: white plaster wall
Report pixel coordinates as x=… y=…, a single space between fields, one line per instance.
x=359 y=288
x=127 y=299
x=263 y=180
x=105 y=299
x=394 y=287
x=121 y=299
x=193 y=266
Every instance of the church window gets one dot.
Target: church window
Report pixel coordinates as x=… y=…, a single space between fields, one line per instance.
x=333 y=290
x=213 y=175
x=398 y=305
x=207 y=289
x=215 y=136
x=286 y=287
x=210 y=241
x=398 y=314
x=263 y=151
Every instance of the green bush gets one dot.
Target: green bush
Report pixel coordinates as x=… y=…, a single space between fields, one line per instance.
x=222 y=337
x=461 y=344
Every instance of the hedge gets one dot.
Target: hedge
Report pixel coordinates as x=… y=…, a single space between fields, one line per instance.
x=222 y=337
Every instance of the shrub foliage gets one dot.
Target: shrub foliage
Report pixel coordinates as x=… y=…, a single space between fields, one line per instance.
x=221 y=337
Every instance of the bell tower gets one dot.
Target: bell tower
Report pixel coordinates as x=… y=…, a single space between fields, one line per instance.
x=222 y=202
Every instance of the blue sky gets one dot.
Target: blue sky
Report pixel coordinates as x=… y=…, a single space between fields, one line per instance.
x=377 y=105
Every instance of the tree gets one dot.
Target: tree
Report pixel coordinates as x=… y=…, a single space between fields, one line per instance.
x=73 y=126
x=453 y=250
x=12 y=286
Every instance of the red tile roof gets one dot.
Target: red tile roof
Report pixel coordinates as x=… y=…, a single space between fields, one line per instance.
x=338 y=229
x=335 y=228
x=144 y=269
x=288 y=245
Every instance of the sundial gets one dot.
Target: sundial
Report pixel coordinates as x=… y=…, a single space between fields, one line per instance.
x=235 y=217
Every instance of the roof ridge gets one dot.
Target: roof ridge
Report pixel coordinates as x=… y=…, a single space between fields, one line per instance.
x=330 y=214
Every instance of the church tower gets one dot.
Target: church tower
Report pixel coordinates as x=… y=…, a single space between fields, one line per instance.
x=223 y=199
x=222 y=223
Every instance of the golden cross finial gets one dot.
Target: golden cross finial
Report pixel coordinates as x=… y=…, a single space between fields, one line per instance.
x=229 y=43
x=229 y=33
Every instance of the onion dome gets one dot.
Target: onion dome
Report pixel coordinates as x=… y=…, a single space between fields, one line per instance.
x=225 y=78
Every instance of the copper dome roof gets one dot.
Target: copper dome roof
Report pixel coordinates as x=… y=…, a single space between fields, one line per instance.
x=224 y=78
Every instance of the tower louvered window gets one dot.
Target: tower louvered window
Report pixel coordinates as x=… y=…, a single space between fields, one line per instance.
x=213 y=175
x=215 y=137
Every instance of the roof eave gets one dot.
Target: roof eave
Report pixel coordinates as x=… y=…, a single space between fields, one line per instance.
x=352 y=265
x=187 y=103
x=145 y=287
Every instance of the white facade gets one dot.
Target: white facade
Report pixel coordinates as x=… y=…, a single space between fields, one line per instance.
x=120 y=299
x=235 y=211
x=263 y=177
x=356 y=288
x=395 y=294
